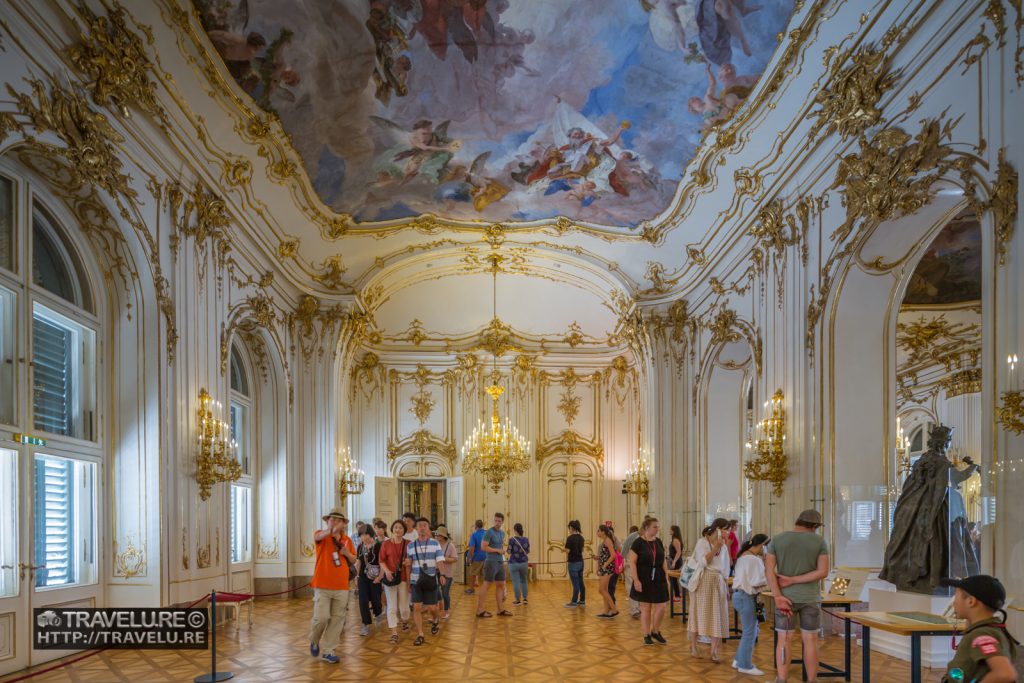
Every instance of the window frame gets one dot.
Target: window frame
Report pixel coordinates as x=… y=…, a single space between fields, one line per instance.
x=93 y=564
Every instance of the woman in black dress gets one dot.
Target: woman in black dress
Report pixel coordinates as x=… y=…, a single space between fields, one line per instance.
x=649 y=570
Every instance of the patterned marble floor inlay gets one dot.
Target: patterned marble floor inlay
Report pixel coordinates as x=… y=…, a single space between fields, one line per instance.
x=543 y=642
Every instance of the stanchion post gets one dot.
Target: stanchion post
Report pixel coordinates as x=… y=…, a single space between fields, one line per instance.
x=213 y=676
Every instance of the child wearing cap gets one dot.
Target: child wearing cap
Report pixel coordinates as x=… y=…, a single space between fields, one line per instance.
x=987 y=650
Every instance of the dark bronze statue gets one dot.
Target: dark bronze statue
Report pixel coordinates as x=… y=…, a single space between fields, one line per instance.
x=917 y=556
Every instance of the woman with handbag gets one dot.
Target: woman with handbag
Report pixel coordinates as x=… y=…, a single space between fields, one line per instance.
x=675 y=558
x=709 y=614
x=649 y=572
x=519 y=564
x=606 y=569
x=747 y=582
x=370 y=575
x=396 y=578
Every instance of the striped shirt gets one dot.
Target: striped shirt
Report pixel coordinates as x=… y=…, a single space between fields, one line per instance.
x=424 y=554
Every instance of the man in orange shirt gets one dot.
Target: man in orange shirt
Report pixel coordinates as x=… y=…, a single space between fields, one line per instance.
x=334 y=551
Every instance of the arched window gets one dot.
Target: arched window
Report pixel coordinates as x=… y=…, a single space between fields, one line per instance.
x=63 y=340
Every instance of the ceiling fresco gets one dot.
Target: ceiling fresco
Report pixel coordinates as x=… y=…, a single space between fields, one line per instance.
x=950 y=270
x=496 y=110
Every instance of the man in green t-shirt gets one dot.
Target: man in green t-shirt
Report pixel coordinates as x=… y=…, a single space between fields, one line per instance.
x=795 y=563
x=986 y=651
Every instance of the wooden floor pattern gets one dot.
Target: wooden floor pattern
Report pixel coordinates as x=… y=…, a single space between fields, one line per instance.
x=543 y=642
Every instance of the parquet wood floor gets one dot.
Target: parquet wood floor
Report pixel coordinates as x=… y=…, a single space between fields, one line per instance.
x=543 y=642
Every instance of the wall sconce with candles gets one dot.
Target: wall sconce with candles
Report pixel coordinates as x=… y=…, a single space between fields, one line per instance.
x=638 y=478
x=902 y=452
x=351 y=479
x=216 y=457
x=770 y=463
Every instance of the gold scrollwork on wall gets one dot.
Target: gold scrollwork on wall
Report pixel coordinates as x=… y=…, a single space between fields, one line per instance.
x=727 y=327
x=184 y=549
x=893 y=173
x=962 y=382
x=267 y=551
x=857 y=79
x=1011 y=413
x=307 y=550
x=571 y=443
x=131 y=561
x=421 y=442
x=202 y=556
x=202 y=215
x=114 y=60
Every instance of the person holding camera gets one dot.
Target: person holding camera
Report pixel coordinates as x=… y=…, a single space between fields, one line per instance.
x=424 y=555
x=334 y=552
x=748 y=581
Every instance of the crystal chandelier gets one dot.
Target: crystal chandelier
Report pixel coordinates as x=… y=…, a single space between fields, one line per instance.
x=351 y=479
x=216 y=458
x=498 y=450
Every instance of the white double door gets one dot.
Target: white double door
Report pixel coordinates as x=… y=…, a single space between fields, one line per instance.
x=49 y=551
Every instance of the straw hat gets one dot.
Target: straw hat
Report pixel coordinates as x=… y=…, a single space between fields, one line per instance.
x=334 y=514
x=443 y=531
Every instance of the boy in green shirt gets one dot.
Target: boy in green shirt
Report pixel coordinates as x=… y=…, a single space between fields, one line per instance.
x=986 y=651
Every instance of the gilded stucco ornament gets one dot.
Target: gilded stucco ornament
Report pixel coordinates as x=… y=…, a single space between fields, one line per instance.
x=727 y=327
x=114 y=60
x=933 y=340
x=331 y=274
x=131 y=561
x=857 y=79
x=1011 y=413
x=892 y=175
x=571 y=443
x=569 y=405
x=421 y=442
x=314 y=329
x=267 y=550
x=203 y=216
x=1002 y=199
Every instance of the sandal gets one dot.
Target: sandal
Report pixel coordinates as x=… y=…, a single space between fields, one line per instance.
x=419 y=640
x=483 y=615
x=505 y=613
x=694 y=652
x=394 y=638
x=715 y=658
x=435 y=627
x=612 y=614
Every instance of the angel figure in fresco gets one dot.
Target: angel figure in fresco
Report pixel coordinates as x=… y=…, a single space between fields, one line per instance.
x=462 y=184
x=275 y=76
x=669 y=20
x=391 y=64
x=423 y=152
x=718 y=22
x=714 y=109
x=464 y=23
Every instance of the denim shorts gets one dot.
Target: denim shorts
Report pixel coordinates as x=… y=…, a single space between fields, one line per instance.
x=809 y=614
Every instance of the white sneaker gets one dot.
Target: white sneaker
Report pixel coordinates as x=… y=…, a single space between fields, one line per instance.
x=734 y=664
x=753 y=671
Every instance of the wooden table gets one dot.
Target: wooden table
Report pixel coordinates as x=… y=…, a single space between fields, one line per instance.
x=896 y=622
x=827 y=670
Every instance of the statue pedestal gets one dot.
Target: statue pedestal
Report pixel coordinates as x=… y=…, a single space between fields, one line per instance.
x=935 y=651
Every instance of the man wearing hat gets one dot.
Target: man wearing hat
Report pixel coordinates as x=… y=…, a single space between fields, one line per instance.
x=796 y=563
x=986 y=651
x=334 y=551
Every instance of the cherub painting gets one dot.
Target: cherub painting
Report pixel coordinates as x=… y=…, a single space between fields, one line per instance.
x=422 y=152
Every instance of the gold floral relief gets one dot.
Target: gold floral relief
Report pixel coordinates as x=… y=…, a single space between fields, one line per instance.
x=131 y=561
x=115 y=62
x=569 y=405
x=571 y=443
x=421 y=442
x=932 y=340
x=267 y=550
x=857 y=79
x=422 y=405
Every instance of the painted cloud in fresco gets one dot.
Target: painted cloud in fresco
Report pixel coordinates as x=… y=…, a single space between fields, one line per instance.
x=496 y=110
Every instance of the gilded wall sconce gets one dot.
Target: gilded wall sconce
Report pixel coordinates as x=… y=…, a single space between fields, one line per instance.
x=638 y=479
x=216 y=456
x=351 y=479
x=771 y=463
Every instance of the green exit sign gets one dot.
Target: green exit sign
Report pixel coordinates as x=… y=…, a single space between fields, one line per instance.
x=29 y=439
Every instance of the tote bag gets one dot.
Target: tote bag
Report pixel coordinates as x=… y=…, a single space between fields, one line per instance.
x=689 y=575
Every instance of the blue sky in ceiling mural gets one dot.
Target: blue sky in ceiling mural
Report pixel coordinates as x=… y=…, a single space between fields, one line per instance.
x=497 y=110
